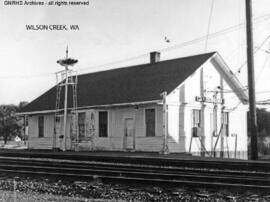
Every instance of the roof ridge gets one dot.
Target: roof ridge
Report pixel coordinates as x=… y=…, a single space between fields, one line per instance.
x=148 y=64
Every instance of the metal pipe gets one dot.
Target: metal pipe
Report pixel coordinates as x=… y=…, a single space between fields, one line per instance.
x=235 y=146
x=202 y=121
x=65 y=111
x=165 y=123
x=217 y=140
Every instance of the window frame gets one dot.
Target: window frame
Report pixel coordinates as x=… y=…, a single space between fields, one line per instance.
x=145 y=128
x=82 y=138
x=41 y=127
x=107 y=135
x=195 y=124
x=227 y=123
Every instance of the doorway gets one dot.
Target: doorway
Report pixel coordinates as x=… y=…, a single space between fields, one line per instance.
x=58 y=133
x=129 y=134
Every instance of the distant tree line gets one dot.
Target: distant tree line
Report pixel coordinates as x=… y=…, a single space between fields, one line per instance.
x=263 y=122
x=263 y=129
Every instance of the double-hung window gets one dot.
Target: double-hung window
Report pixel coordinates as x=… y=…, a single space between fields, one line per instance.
x=196 y=118
x=225 y=122
x=41 y=126
x=103 y=123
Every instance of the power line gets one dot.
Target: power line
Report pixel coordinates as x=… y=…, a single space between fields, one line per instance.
x=215 y=34
x=115 y=62
x=268 y=100
x=263 y=103
x=241 y=90
x=187 y=43
x=263 y=92
x=254 y=51
x=263 y=67
x=208 y=26
x=246 y=88
x=239 y=35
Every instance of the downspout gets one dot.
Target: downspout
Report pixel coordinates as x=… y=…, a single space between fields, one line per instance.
x=202 y=94
x=24 y=129
x=221 y=121
x=165 y=123
x=134 y=131
x=215 y=132
x=26 y=118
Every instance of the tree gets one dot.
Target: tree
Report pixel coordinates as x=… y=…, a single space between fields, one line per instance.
x=9 y=125
x=23 y=120
x=263 y=120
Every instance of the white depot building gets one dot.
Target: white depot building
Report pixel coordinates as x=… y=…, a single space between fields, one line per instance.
x=163 y=106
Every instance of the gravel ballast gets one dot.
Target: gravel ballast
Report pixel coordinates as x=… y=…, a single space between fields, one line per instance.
x=45 y=189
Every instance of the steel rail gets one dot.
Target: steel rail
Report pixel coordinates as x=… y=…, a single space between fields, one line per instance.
x=160 y=161
x=154 y=174
x=123 y=167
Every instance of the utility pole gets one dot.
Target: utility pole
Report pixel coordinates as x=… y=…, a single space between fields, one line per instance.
x=251 y=82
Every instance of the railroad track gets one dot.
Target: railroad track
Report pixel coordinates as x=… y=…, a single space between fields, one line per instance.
x=207 y=163
x=142 y=173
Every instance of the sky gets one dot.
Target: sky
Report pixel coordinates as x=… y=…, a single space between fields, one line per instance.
x=121 y=33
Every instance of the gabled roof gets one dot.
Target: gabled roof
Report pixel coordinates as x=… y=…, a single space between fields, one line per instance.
x=230 y=78
x=139 y=83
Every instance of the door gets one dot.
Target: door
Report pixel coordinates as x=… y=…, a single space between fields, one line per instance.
x=74 y=132
x=92 y=130
x=59 y=132
x=129 y=134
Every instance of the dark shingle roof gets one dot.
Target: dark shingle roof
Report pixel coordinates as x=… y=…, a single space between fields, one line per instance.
x=125 y=85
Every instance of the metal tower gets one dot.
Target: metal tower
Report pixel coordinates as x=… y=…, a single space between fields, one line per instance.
x=65 y=78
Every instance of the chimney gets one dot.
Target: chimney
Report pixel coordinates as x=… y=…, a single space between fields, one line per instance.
x=154 y=57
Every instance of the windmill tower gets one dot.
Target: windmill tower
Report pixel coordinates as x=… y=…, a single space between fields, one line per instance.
x=68 y=80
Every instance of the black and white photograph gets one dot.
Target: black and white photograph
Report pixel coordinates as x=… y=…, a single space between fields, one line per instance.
x=134 y=100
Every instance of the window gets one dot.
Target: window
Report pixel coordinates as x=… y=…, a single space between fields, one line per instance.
x=150 y=122
x=196 y=118
x=81 y=125
x=103 y=124
x=41 y=126
x=225 y=122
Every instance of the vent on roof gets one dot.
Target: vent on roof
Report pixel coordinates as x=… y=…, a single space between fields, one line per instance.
x=154 y=57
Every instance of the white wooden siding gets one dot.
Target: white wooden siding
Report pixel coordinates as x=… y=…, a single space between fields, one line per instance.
x=237 y=122
x=180 y=102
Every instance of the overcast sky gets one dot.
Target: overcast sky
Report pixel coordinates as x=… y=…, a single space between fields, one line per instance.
x=124 y=30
